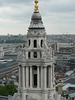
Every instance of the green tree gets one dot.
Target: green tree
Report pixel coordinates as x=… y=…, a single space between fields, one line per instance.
x=7 y=90
x=3 y=91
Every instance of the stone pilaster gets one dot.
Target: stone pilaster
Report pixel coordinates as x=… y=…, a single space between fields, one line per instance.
x=23 y=76
x=45 y=77
x=41 y=76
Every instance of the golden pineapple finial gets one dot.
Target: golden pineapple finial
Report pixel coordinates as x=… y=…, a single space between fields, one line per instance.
x=36 y=6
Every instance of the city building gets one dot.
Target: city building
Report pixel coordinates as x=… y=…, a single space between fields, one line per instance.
x=3 y=98
x=1 y=52
x=7 y=67
x=64 y=48
x=36 y=63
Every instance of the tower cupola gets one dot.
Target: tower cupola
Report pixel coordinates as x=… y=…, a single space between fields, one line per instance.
x=36 y=20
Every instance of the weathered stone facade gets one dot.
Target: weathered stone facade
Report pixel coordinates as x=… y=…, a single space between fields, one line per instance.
x=36 y=68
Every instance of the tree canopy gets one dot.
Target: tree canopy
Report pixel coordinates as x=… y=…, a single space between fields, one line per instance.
x=7 y=90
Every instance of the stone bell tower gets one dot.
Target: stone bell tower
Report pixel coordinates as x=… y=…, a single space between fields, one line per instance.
x=36 y=69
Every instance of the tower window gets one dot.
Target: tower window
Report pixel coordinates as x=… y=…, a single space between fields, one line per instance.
x=35 y=43
x=29 y=55
x=41 y=43
x=29 y=42
x=35 y=54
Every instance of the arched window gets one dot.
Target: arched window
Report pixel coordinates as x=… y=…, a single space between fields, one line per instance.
x=28 y=54
x=41 y=43
x=35 y=43
x=35 y=54
x=29 y=42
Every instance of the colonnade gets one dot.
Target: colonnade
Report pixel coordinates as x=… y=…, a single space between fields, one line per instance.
x=44 y=77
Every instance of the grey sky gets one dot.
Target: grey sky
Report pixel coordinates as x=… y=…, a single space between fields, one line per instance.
x=58 y=16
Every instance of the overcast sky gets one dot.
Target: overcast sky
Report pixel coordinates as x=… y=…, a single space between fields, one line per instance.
x=58 y=16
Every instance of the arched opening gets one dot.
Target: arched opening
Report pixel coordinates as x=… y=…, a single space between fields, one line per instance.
x=41 y=43
x=35 y=43
x=35 y=54
x=29 y=42
x=28 y=54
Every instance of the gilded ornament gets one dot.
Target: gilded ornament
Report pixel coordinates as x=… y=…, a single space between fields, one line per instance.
x=36 y=6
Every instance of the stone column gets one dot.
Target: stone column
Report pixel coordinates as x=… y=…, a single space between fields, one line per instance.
x=23 y=96
x=31 y=77
x=23 y=76
x=41 y=76
x=38 y=53
x=27 y=76
x=32 y=42
x=31 y=54
x=45 y=77
x=38 y=76
x=26 y=55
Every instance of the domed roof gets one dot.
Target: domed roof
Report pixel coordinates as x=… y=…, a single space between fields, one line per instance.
x=36 y=15
x=36 y=21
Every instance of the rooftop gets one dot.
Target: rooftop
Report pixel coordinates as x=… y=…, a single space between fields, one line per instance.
x=3 y=98
x=70 y=80
x=72 y=95
x=8 y=66
x=67 y=86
